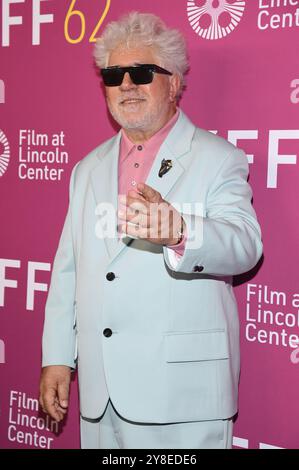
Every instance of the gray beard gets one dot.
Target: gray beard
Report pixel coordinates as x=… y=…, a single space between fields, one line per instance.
x=149 y=122
x=143 y=124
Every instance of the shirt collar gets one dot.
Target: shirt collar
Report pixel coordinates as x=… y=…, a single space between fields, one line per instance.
x=126 y=145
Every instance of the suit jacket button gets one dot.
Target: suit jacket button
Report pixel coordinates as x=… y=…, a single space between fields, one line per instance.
x=198 y=269
x=110 y=276
x=107 y=332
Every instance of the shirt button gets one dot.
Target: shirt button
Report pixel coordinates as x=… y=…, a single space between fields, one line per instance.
x=139 y=147
x=136 y=165
x=107 y=332
x=133 y=183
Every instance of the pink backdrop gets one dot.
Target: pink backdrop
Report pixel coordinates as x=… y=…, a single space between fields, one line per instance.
x=244 y=84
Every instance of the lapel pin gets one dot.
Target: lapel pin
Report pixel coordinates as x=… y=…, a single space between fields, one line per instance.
x=165 y=167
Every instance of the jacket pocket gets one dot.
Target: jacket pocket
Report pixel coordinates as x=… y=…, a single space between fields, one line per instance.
x=203 y=345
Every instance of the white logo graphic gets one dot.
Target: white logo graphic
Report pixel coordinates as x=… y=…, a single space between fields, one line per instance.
x=2 y=352
x=5 y=154
x=214 y=19
x=2 y=92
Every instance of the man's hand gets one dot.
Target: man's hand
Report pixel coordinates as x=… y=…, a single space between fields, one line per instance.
x=54 y=390
x=154 y=219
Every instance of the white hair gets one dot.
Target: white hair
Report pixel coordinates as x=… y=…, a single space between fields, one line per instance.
x=144 y=29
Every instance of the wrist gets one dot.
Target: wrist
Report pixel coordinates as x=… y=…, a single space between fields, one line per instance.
x=181 y=232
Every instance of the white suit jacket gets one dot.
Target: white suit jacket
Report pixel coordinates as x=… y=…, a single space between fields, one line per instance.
x=170 y=352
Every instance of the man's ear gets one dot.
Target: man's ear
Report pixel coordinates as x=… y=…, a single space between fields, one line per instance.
x=175 y=83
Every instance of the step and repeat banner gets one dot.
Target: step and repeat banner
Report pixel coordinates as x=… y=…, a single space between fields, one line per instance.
x=243 y=84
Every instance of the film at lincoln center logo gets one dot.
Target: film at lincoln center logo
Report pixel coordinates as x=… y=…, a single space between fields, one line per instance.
x=214 y=19
x=4 y=153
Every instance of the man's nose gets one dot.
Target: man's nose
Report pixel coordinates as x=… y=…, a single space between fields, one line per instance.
x=127 y=82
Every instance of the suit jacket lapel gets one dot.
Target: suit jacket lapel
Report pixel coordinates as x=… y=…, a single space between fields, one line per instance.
x=104 y=176
x=104 y=180
x=177 y=144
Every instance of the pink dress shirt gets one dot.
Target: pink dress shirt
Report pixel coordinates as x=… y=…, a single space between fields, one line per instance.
x=135 y=162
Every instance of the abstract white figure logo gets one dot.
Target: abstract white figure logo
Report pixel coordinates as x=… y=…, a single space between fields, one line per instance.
x=214 y=19
x=5 y=154
x=2 y=352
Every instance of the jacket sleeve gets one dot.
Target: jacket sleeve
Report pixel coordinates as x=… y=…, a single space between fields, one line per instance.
x=59 y=335
x=226 y=239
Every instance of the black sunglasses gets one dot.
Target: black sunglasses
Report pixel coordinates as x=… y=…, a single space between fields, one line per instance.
x=140 y=74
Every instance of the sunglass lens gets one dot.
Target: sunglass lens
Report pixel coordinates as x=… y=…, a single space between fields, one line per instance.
x=113 y=77
x=141 y=75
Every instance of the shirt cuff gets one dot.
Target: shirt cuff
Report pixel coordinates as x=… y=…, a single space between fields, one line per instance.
x=180 y=247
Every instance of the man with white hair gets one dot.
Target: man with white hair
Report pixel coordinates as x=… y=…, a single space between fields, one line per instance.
x=141 y=299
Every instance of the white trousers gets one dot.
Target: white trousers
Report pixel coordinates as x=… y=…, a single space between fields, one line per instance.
x=115 y=432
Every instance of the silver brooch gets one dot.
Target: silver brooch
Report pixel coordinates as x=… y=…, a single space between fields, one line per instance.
x=165 y=167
